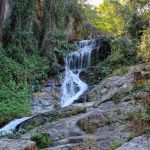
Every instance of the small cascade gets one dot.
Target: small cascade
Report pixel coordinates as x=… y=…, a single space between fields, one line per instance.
x=76 y=62
x=10 y=127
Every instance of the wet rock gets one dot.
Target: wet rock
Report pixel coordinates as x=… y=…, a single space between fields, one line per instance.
x=138 y=143
x=33 y=122
x=21 y=144
x=89 y=76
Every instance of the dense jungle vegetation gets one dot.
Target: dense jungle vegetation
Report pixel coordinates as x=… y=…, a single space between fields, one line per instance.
x=35 y=39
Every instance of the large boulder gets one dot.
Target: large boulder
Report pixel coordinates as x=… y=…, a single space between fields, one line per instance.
x=93 y=121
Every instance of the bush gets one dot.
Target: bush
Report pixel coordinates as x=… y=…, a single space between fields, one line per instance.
x=37 y=69
x=14 y=101
x=126 y=46
x=15 y=77
x=42 y=140
x=115 y=61
x=140 y=121
x=144 y=48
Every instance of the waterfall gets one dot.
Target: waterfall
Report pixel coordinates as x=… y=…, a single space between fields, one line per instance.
x=72 y=86
x=75 y=63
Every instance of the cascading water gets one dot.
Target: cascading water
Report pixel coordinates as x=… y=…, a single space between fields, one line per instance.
x=76 y=62
x=10 y=127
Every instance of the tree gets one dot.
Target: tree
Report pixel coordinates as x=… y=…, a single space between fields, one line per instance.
x=113 y=17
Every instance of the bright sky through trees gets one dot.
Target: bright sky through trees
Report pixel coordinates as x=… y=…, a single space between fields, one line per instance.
x=94 y=2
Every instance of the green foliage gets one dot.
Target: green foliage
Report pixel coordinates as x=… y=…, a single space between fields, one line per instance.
x=144 y=48
x=128 y=27
x=115 y=61
x=16 y=53
x=14 y=101
x=18 y=71
x=42 y=140
x=112 y=18
x=135 y=25
x=37 y=69
x=68 y=8
x=23 y=69
x=53 y=117
x=126 y=46
x=56 y=48
x=22 y=8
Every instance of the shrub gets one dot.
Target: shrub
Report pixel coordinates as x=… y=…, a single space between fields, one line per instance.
x=140 y=121
x=37 y=70
x=14 y=101
x=144 y=48
x=121 y=70
x=42 y=140
x=113 y=62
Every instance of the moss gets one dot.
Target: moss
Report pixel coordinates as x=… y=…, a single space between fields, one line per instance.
x=115 y=145
x=42 y=140
x=130 y=137
x=117 y=100
x=86 y=126
x=79 y=110
x=72 y=112
x=89 y=129
x=53 y=117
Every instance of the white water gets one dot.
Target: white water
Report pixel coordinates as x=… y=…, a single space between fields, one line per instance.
x=10 y=127
x=76 y=62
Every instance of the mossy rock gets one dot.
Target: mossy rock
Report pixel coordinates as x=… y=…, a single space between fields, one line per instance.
x=32 y=123
x=92 y=122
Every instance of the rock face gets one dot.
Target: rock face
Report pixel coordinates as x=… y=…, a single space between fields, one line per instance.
x=108 y=88
x=74 y=28
x=8 y=144
x=4 y=12
x=102 y=122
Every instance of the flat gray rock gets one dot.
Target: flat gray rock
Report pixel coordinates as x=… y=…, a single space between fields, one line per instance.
x=138 y=143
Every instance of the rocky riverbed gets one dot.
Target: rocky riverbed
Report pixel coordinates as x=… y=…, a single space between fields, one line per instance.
x=99 y=120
